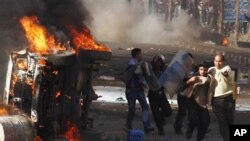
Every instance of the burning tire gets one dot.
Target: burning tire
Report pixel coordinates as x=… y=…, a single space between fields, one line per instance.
x=15 y=126
x=67 y=57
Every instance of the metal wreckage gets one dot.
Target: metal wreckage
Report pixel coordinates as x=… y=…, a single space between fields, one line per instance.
x=51 y=84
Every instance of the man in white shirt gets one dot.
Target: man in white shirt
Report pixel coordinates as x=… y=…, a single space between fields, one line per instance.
x=222 y=103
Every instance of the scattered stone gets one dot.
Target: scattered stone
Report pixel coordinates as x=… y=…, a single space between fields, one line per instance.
x=120 y=99
x=103 y=77
x=209 y=42
x=130 y=48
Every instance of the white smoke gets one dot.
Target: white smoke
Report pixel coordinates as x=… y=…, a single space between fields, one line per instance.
x=117 y=20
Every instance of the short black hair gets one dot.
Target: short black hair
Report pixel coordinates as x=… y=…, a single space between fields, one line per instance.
x=202 y=65
x=197 y=67
x=135 y=51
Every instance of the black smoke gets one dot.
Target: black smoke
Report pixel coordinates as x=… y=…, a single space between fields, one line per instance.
x=11 y=35
x=62 y=12
x=51 y=13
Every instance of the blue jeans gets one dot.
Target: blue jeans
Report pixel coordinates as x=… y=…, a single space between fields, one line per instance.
x=131 y=96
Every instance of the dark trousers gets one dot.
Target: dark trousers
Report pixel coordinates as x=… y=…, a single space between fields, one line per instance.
x=198 y=118
x=160 y=108
x=223 y=108
x=131 y=96
x=182 y=111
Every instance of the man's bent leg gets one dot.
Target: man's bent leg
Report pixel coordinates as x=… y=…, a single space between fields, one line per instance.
x=145 y=112
x=131 y=98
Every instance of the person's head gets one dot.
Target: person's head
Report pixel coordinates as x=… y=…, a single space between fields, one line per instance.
x=219 y=61
x=158 y=62
x=201 y=2
x=137 y=54
x=202 y=70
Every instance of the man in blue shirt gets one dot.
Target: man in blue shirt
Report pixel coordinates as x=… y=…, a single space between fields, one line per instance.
x=135 y=84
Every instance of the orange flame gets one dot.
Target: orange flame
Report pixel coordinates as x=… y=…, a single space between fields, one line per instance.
x=225 y=41
x=55 y=72
x=72 y=133
x=42 y=62
x=13 y=83
x=58 y=94
x=29 y=81
x=37 y=138
x=39 y=39
x=84 y=40
x=3 y=111
x=22 y=64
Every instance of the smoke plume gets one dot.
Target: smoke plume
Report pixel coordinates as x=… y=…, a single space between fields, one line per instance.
x=121 y=21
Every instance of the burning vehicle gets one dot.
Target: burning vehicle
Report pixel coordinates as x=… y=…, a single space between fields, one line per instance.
x=52 y=82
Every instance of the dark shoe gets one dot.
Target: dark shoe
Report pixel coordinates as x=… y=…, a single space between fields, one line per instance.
x=126 y=128
x=161 y=133
x=163 y=122
x=208 y=130
x=149 y=129
x=177 y=130
x=198 y=139
x=189 y=134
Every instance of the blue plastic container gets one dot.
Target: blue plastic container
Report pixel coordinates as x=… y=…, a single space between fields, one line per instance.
x=135 y=135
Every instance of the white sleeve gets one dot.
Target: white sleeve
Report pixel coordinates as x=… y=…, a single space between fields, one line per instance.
x=227 y=69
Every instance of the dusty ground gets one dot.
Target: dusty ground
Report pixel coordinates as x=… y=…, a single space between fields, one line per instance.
x=109 y=119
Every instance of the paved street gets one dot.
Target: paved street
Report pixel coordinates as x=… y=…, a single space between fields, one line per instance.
x=109 y=121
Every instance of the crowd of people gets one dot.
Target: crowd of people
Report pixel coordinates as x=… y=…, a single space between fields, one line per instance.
x=202 y=10
x=205 y=12
x=203 y=87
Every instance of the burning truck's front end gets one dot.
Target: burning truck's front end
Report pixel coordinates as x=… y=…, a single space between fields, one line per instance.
x=51 y=82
